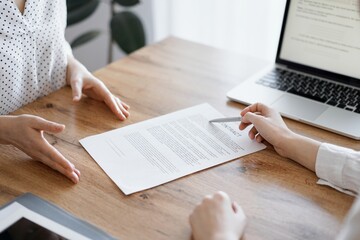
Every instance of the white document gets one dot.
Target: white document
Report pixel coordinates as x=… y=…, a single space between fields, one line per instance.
x=159 y=150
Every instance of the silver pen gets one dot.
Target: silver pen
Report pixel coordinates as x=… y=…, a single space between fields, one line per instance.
x=230 y=119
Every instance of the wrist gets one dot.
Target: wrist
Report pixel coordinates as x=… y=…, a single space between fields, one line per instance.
x=75 y=69
x=285 y=147
x=70 y=59
x=302 y=149
x=72 y=68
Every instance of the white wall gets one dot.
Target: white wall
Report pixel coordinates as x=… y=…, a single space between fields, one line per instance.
x=250 y=27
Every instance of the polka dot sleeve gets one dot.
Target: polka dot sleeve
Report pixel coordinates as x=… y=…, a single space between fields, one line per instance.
x=33 y=51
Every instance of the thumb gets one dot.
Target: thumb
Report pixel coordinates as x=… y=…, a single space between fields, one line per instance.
x=76 y=86
x=48 y=126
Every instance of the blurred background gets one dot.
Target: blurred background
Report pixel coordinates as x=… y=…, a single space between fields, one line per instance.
x=249 y=27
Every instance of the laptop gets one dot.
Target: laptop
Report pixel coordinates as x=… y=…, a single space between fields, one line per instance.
x=316 y=76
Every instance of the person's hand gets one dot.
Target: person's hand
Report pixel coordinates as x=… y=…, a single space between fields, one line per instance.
x=267 y=125
x=26 y=132
x=83 y=82
x=217 y=218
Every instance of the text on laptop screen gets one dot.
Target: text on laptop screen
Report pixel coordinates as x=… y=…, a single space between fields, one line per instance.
x=324 y=34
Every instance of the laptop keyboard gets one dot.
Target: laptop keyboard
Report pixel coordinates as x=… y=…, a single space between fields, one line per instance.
x=313 y=88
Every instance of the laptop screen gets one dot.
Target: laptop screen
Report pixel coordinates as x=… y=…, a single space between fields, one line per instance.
x=323 y=35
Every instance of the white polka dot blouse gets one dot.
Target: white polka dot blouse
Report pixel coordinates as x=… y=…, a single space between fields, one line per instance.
x=33 y=51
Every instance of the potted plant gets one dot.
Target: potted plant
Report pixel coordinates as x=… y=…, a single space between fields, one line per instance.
x=126 y=28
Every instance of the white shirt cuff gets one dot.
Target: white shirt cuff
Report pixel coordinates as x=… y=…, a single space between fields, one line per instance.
x=330 y=165
x=326 y=183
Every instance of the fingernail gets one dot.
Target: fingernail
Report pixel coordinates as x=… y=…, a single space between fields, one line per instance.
x=122 y=117
x=74 y=178
x=59 y=125
x=77 y=172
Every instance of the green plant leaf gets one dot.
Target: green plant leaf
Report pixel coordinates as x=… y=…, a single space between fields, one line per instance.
x=84 y=38
x=127 y=3
x=128 y=31
x=81 y=10
x=72 y=4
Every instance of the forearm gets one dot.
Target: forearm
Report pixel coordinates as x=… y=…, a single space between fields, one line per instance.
x=301 y=149
x=5 y=128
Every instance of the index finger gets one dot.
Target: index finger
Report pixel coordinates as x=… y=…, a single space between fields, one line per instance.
x=52 y=153
x=256 y=107
x=48 y=155
x=221 y=196
x=112 y=104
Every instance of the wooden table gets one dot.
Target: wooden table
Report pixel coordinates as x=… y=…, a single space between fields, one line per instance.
x=280 y=197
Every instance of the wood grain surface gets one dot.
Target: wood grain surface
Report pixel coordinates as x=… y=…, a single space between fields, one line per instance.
x=280 y=197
